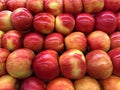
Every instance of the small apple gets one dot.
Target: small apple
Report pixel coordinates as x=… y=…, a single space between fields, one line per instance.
x=118 y=21
x=1 y=36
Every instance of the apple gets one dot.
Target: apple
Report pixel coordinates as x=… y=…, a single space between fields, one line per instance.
x=12 y=40
x=115 y=39
x=76 y=40
x=45 y=65
x=35 y=6
x=112 y=5
x=106 y=21
x=85 y=23
x=5 y=20
x=99 y=64
x=1 y=36
x=33 y=41
x=54 y=41
x=73 y=64
x=2 y=5
x=111 y=83
x=64 y=23
x=98 y=40
x=86 y=83
x=118 y=21
x=73 y=6
x=32 y=83
x=14 y=4
x=44 y=23
x=93 y=6
x=55 y=7
x=22 y=19
x=60 y=83
x=19 y=63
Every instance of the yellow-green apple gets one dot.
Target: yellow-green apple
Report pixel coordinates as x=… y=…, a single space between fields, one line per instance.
x=86 y=83
x=21 y=19
x=44 y=23
x=64 y=23
x=2 y=5
x=99 y=64
x=19 y=63
x=106 y=21
x=72 y=6
x=85 y=23
x=3 y=57
x=35 y=6
x=98 y=40
x=5 y=20
x=112 y=5
x=93 y=6
x=115 y=39
x=33 y=41
x=118 y=21
x=115 y=57
x=55 y=7
x=60 y=83
x=32 y=83
x=72 y=64
x=54 y=41
x=1 y=36
x=45 y=65
x=111 y=83
x=12 y=40
x=14 y=4
x=76 y=40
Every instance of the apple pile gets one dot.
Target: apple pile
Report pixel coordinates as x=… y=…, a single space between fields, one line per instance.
x=59 y=44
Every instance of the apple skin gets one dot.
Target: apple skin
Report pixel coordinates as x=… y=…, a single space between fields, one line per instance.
x=14 y=4
x=54 y=41
x=85 y=23
x=22 y=19
x=45 y=65
x=111 y=83
x=1 y=36
x=93 y=6
x=19 y=63
x=44 y=23
x=55 y=7
x=32 y=83
x=72 y=6
x=86 y=83
x=118 y=21
x=12 y=40
x=33 y=41
x=35 y=6
x=99 y=64
x=115 y=39
x=98 y=40
x=64 y=23
x=73 y=64
x=76 y=40
x=60 y=83
x=2 y=5
x=5 y=20
x=106 y=21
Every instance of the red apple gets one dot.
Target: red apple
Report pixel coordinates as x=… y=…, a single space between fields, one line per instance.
x=98 y=40
x=76 y=40
x=72 y=6
x=99 y=64
x=32 y=83
x=19 y=63
x=118 y=21
x=73 y=64
x=33 y=41
x=44 y=23
x=35 y=6
x=85 y=23
x=60 y=83
x=64 y=23
x=22 y=19
x=1 y=36
x=55 y=7
x=93 y=6
x=12 y=40
x=54 y=41
x=2 y=5
x=106 y=21
x=45 y=65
